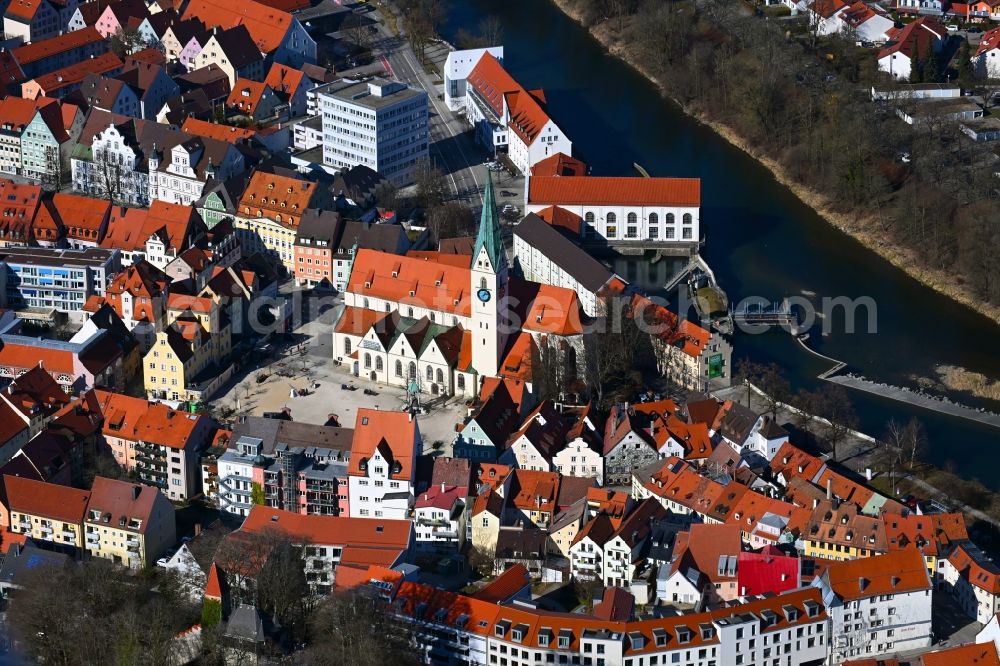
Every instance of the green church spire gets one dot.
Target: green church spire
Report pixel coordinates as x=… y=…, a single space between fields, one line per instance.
x=489 y=229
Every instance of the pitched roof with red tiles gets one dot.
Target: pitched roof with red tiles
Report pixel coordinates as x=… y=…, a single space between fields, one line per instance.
x=121 y=502
x=284 y=79
x=973 y=654
x=35 y=51
x=47 y=500
x=247 y=95
x=17 y=112
x=826 y=8
x=281 y=198
x=16 y=356
x=702 y=547
x=80 y=215
x=559 y=164
x=366 y=535
x=440 y=496
x=23 y=11
x=609 y=190
x=915 y=38
x=267 y=26
x=492 y=82
x=559 y=217
x=137 y=419
x=990 y=41
x=527 y=115
x=19 y=203
x=895 y=573
x=213 y=586
x=35 y=393
x=533 y=490
x=505 y=586
x=973 y=565
x=227 y=133
x=393 y=434
x=71 y=75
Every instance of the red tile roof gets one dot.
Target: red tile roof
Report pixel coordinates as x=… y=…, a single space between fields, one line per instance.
x=280 y=198
x=367 y=535
x=226 y=133
x=393 y=434
x=895 y=573
x=505 y=586
x=23 y=10
x=246 y=95
x=123 y=501
x=915 y=38
x=492 y=82
x=68 y=41
x=990 y=41
x=973 y=654
x=559 y=164
x=609 y=190
x=48 y=500
x=267 y=26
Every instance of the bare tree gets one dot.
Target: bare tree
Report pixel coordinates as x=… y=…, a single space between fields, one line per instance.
x=109 y=173
x=52 y=176
x=491 y=30
x=430 y=184
x=357 y=629
x=355 y=28
x=449 y=220
x=835 y=406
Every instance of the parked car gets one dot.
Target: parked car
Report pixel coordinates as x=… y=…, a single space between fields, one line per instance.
x=974 y=30
x=952 y=27
x=507 y=193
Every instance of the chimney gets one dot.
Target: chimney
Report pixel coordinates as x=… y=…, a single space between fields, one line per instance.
x=197 y=529
x=442 y=486
x=862 y=583
x=41 y=364
x=829 y=488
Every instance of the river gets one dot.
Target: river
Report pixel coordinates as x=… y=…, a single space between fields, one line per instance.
x=761 y=239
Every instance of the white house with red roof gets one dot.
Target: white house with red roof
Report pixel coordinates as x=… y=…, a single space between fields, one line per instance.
x=912 y=42
x=383 y=464
x=439 y=518
x=506 y=115
x=986 y=59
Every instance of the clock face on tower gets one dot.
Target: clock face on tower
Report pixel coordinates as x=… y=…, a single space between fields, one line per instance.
x=484 y=295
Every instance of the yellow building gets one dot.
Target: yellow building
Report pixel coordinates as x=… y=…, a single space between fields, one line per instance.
x=47 y=512
x=269 y=213
x=128 y=523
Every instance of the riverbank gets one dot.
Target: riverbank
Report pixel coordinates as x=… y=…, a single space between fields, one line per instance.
x=855 y=227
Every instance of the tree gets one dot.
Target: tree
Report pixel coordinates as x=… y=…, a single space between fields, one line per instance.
x=95 y=612
x=966 y=74
x=256 y=494
x=52 y=177
x=211 y=613
x=833 y=404
x=450 y=220
x=546 y=370
x=387 y=195
x=430 y=184
x=615 y=351
x=932 y=73
x=109 y=173
x=916 y=68
x=887 y=455
x=126 y=41
x=356 y=629
x=491 y=30
x=355 y=28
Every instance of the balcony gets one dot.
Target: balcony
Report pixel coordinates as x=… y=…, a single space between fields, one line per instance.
x=93 y=538
x=46 y=530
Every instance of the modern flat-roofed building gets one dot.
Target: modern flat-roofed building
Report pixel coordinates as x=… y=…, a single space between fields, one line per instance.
x=62 y=279
x=379 y=124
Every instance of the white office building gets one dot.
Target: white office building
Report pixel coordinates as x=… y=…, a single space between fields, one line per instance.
x=457 y=67
x=379 y=124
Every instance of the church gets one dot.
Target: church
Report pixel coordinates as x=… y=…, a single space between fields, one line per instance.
x=439 y=328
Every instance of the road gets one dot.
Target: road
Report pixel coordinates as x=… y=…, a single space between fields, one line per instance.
x=452 y=146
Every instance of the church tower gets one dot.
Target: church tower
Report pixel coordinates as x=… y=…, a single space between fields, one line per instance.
x=489 y=290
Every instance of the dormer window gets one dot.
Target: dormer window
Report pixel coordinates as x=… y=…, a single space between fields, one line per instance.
x=707 y=631
x=565 y=638
x=500 y=629
x=683 y=635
